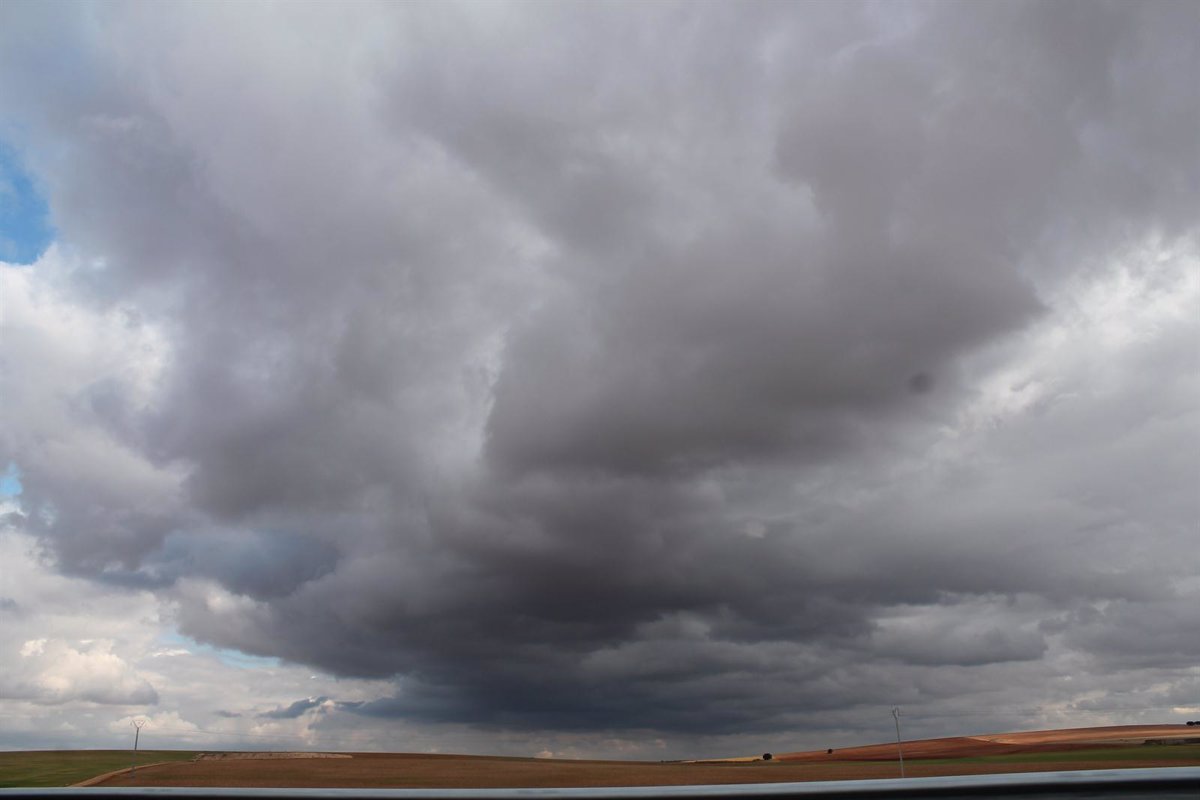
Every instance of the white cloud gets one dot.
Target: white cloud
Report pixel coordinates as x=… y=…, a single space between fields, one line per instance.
x=55 y=671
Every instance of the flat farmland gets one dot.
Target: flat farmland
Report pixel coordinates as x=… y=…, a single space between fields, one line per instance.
x=1035 y=751
x=375 y=770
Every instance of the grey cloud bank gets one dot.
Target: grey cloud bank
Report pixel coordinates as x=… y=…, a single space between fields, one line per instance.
x=682 y=370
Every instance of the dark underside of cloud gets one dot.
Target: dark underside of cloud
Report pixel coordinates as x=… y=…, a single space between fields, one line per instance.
x=294 y=710
x=602 y=367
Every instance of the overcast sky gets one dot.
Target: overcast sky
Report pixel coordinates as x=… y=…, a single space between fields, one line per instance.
x=612 y=379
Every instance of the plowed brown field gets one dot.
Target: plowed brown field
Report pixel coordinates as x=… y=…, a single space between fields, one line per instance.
x=374 y=770
x=998 y=744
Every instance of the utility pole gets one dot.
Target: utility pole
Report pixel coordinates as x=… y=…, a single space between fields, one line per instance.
x=137 y=730
x=899 y=747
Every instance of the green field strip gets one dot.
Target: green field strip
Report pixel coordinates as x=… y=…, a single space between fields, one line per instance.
x=67 y=767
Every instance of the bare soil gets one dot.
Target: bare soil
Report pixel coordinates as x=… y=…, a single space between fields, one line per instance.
x=996 y=744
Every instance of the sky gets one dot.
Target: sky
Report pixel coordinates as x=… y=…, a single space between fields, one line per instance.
x=596 y=379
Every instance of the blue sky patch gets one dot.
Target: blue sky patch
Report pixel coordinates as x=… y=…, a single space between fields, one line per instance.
x=25 y=230
x=10 y=481
x=232 y=658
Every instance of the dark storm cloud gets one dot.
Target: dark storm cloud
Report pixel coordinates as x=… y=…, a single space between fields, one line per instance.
x=1141 y=635
x=296 y=709
x=612 y=368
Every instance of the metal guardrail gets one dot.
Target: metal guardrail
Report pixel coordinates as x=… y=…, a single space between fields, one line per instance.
x=1172 y=783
